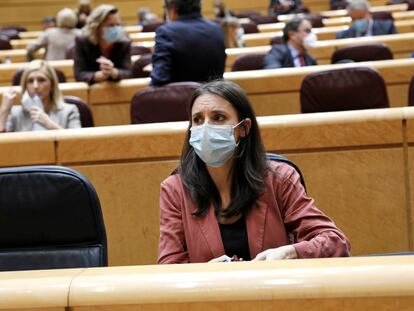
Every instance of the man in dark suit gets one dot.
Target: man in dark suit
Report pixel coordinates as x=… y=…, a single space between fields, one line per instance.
x=363 y=24
x=187 y=47
x=298 y=38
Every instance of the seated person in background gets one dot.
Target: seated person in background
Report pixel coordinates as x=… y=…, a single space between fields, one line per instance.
x=298 y=38
x=187 y=47
x=277 y=7
x=102 y=52
x=83 y=11
x=363 y=24
x=233 y=32
x=42 y=106
x=220 y=11
x=145 y=16
x=227 y=199
x=48 y=22
x=56 y=40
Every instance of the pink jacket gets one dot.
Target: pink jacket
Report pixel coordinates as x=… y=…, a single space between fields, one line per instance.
x=282 y=214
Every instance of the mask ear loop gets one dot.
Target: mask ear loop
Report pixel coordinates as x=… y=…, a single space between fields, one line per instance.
x=240 y=151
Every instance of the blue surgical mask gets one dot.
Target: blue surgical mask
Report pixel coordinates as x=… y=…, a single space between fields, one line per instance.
x=214 y=144
x=360 y=25
x=112 y=34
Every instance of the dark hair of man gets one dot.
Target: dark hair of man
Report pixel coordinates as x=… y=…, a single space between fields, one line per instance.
x=249 y=166
x=292 y=25
x=184 y=7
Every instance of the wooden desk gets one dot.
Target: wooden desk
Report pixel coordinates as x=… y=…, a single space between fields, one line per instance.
x=347 y=159
x=345 y=284
x=324 y=33
x=7 y=71
x=400 y=45
x=79 y=89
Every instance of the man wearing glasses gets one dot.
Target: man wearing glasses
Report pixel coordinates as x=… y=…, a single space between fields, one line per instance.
x=298 y=38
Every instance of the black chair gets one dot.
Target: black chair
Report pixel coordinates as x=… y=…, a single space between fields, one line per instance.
x=5 y=43
x=167 y=103
x=137 y=70
x=249 y=27
x=411 y=92
x=280 y=158
x=19 y=72
x=362 y=53
x=343 y=89
x=85 y=112
x=50 y=218
x=248 y=62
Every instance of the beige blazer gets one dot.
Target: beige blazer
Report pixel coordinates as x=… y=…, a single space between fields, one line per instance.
x=66 y=117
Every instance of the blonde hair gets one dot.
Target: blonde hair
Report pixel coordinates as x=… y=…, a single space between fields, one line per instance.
x=229 y=24
x=56 y=99
x=97 y=17
x=66 y=18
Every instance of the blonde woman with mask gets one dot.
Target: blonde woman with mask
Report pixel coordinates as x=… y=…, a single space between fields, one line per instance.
x=102 y=53
x=42 y=106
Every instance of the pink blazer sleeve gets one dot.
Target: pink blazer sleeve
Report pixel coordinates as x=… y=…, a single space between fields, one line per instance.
x=315 y=233
x=172 y=245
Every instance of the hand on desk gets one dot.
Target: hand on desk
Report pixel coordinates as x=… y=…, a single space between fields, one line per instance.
x=283 y=252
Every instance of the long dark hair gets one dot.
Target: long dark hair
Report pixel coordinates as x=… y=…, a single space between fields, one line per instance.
x=249 y=166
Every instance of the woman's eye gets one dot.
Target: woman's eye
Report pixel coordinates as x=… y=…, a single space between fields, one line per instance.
x=219 y=117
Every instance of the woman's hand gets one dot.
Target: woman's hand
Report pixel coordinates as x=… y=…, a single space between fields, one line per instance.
x=8 y=98
x=39 y=116
x=107 y=67
x=223 y=258
x=283 y=252
x=6 y=106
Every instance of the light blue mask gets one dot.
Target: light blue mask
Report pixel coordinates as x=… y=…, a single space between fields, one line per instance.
x=112 y=34
x=214 y=144
x=360 y=25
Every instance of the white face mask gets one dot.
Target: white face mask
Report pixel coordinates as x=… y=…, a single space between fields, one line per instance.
x=214 y=144
x=309 y=42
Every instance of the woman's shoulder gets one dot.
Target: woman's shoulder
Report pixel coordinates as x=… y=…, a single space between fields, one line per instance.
x=280 y=171
x=174 y=180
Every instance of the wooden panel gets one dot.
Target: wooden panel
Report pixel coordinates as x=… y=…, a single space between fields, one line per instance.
x=22 y=149
x=343 y=181
x=344 y=304
x=290 y=285
x=409 y=115
x=129 y=194
x=7 y=71
x=41 y=290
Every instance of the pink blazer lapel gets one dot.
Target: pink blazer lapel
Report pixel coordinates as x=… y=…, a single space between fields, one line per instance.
x=255 y=223
x=211 y=231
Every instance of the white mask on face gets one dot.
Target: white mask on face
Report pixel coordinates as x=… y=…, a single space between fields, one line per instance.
x=309 y=42
x=214 y=144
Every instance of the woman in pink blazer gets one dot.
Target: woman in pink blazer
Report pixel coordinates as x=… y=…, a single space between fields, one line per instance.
x=227 y=200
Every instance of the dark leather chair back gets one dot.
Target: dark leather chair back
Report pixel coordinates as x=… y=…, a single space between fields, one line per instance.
x=12 y=34
x=277 y=40
x=249 y=27
x=151 y=27
x=18 y=28
x=343 y=89
x=166 y=103
x=85 y=112
x=50 y=218
x=264 y=19
x=382 y=15
x=248 y=62
x=247 y=14
x=138 y=66
x=137 y=49
x=5 y=43
x=411 y=93
x=362 y=53
x=315 y=19
x=19 y=72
